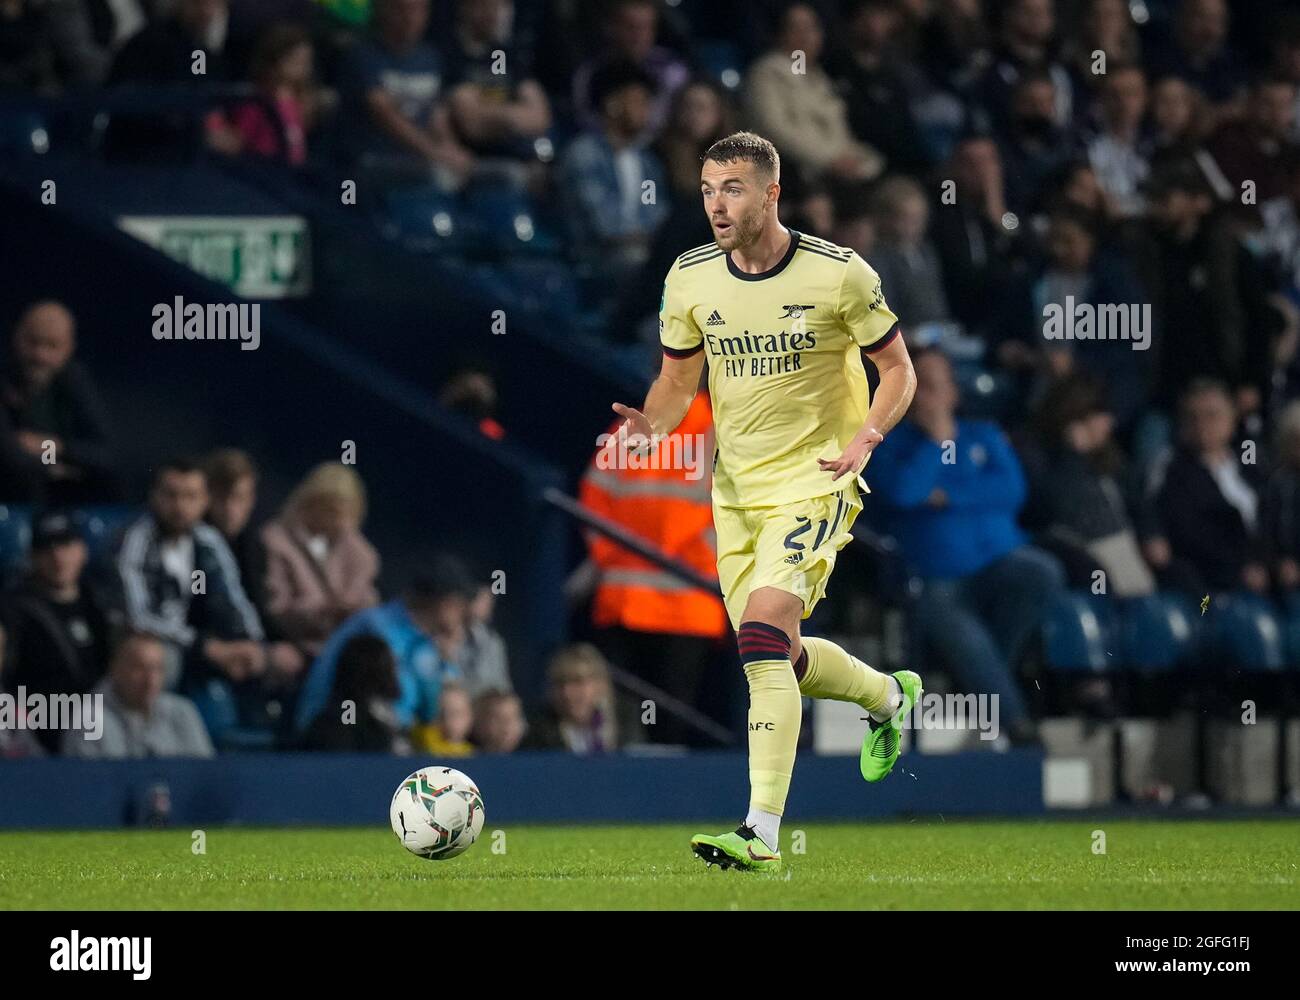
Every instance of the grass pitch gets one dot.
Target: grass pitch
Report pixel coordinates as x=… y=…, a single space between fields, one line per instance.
x=1048 y=864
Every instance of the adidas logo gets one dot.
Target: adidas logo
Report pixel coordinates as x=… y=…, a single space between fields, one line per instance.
x=794 y=559
x=715 y=319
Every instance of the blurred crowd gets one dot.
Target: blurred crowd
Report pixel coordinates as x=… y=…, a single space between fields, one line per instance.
x=203 y=630
x=996 y=162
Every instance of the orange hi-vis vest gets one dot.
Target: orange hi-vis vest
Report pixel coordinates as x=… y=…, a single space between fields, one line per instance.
x=666 y=501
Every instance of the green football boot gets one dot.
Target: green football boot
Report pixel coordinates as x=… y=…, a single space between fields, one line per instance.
x=881 y=744
x=743 y=849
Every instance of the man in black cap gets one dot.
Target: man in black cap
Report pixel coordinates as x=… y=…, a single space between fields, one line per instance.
x=427 y=630
x=58 y=630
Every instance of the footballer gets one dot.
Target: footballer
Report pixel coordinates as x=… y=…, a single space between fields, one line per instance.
x=783 y=320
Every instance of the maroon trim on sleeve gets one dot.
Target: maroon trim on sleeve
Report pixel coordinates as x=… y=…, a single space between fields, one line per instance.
x=677 y=353
x=884 y=341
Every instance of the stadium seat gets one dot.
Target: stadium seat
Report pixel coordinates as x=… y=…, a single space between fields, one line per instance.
x=23 y=133
x=1078 y=634
x=423 y=214
x=985 y=394
x=1246 y=631
x=219 y=708
x=102 y=526
x=500 y=216
x=721 y=60
x=15 y=537
x=1157 y=632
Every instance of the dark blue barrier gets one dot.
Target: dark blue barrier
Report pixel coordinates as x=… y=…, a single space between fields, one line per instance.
x=328 y=789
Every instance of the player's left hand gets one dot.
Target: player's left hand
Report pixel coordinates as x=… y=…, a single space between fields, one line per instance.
x=855 y=455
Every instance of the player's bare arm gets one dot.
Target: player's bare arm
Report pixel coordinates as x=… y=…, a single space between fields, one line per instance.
x=665 y=404
x=892 y=398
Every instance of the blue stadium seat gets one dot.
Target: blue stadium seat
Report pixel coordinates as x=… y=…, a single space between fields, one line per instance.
x=985 y=394
x=500 y=215
x=102 y=527
x=1246 y=631
x=15 y=537
x=721 y=60
x=1157 y=632
x=424 y=214
x=23 y=133
x=219 y=708
x=1078 y=634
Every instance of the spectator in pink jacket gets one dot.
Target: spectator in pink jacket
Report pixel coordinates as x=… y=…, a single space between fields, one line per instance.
x=276 y=125
x=319 y=567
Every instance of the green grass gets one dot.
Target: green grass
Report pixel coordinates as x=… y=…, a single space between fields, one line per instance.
x=923 y=864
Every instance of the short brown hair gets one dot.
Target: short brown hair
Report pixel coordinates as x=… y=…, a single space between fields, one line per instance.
x=227 y=466
x=749 y=147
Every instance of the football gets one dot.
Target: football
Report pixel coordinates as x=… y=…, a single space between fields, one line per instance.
x=437 y=813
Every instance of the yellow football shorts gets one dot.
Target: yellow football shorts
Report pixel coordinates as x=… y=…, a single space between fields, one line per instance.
x=791 y=547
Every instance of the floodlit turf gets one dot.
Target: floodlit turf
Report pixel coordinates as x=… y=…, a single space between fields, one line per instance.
x=919 y=865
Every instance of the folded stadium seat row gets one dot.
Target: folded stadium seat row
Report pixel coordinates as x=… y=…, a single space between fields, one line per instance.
x=484 y=219
x=1089 y=633
x=100 y=526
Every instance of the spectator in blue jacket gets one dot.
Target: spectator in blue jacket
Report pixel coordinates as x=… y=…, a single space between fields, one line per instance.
x=950 y=491
x=613 y=212
x=420 y=628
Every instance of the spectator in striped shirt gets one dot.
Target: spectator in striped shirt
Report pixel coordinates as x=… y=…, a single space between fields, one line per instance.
x=181 y=583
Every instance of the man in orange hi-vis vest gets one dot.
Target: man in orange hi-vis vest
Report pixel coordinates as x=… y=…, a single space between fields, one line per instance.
x=649 y=621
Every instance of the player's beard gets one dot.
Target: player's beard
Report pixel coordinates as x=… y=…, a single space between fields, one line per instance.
x=744 y=232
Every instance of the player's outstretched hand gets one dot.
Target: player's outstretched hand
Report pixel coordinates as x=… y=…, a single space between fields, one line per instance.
x=637 y=432
x=855 y=455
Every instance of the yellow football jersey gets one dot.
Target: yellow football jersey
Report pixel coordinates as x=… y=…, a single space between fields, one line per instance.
x=785 y=367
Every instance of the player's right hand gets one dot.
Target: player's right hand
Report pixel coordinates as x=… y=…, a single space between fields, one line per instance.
x=637 y=432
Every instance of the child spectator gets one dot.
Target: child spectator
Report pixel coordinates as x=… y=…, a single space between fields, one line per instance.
x=449 y=735
x=583 y=715
x=498 y=722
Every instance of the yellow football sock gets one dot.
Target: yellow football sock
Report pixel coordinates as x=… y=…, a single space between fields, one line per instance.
x=775 y=713
x=834 y=673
